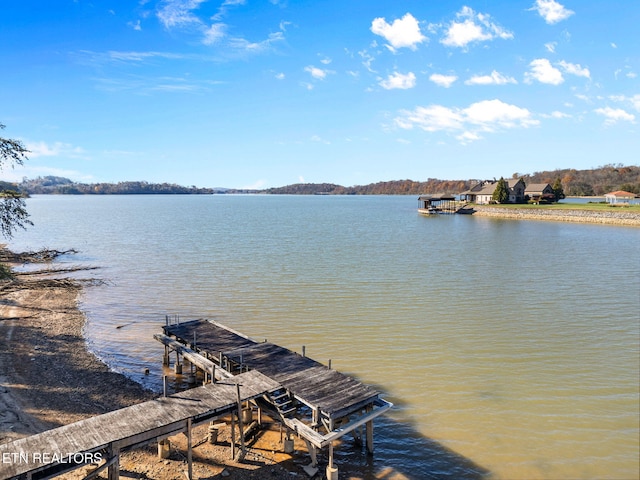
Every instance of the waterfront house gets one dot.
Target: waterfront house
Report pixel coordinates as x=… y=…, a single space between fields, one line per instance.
x=482 y=192
x=538 y=191
x=619 y=196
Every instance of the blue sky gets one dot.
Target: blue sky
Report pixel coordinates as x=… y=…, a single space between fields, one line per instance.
x=264 y=93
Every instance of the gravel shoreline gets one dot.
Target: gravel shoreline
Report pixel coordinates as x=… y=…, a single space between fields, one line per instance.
x=613 y=217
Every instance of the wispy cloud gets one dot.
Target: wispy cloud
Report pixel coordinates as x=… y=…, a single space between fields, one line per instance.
x=495 y=78
x=551 y=11
x=178 y=13
x=575 y=69
x=399 y=81
x=56 y=149
x=402 y=33
x=615 y=115
x=468 y=123
x=473 y=27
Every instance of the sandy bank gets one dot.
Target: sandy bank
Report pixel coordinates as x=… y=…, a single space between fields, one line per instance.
x=49 y=379
x=608 y=217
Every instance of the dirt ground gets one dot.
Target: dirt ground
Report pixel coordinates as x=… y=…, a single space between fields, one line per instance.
x=49 y=379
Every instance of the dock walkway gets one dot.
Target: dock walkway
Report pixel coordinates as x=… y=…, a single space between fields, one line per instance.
x=53 y=452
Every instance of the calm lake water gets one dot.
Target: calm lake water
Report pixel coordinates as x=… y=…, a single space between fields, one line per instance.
x=510 y=348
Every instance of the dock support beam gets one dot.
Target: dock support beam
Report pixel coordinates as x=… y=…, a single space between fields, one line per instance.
x=369 y=431
x=189 y=451
x=332 y=472
x=114 y=467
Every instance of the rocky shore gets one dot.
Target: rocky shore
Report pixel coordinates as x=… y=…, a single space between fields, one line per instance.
x=614 y=216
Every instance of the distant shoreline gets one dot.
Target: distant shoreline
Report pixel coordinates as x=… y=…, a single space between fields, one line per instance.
x=577 y=215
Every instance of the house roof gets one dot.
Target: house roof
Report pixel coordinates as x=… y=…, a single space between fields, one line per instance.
x=621 y=194
x=536 y=187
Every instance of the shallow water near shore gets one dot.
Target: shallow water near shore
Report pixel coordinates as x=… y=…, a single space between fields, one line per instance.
x=509 y=347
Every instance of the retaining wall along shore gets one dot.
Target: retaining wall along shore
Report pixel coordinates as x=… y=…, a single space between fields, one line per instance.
x=613 y=217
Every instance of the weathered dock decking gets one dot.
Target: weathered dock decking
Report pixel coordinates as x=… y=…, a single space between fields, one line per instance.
x=322 y=404
x=53 y=452
x=334 y=394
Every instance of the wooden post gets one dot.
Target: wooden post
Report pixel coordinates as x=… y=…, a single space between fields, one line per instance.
x=114 y=468
x=369 y=431
x=233 y=436
x=304 y=351
x=164 y=385
x=240 y=428
x=189 y=451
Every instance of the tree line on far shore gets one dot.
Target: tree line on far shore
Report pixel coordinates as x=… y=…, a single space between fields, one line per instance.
x=594 y=182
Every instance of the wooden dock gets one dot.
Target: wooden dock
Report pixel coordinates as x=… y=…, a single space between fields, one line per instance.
x=317 y=403
x=56 y=451
x=311 y=400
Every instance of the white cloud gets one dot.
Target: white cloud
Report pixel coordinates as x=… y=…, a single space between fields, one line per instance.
x=317 y=73
x=552 y=11
x=483 y=116
x=404 y=32
x=431 y=119
x=614 y=115
x=544 y=72
x=551 y=46
x=634 y=101
x=495 y=78
x=495 y=113
x=42 y=149
x=475 y=27
x=280 y=76
x=443 y=80
x=468 y=137
x=575 y=69
x=400 y=81
x=558 y=114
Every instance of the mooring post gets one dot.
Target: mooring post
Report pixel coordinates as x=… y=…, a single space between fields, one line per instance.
x=164 y=385
x=304 y=351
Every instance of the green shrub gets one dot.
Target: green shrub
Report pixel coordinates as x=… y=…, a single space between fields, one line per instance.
x=5 y=272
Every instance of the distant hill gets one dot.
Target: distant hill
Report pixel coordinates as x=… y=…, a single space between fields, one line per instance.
x=597 y=181
x=64 y=186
